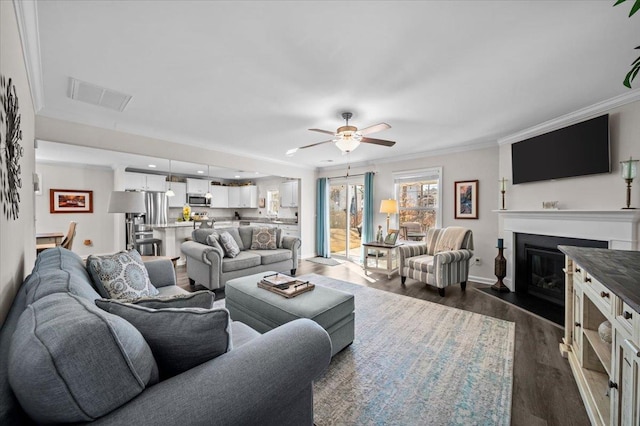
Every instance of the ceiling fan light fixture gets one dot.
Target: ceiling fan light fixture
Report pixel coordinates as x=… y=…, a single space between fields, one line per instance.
x=347 y=144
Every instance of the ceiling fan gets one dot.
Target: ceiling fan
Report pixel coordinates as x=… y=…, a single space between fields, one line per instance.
x=347 y=138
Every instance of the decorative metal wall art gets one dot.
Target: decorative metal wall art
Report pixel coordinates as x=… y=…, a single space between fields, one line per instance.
x=10 y=149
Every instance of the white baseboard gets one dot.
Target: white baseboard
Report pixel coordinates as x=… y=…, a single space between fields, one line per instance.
x=482 y=280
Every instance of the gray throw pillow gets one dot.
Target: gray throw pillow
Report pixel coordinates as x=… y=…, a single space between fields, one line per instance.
x=213 y=241
x=202 y=299
x=121 y=275
x=264 y=239
x=71 y=362
x=229 y=244
x=180 y=339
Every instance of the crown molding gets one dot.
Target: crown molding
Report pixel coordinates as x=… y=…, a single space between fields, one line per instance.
x=27 y=17
x=573 y=117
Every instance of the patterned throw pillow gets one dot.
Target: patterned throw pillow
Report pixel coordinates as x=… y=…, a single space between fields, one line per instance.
x=121 y=275
x=229 y=244
x=264 y=239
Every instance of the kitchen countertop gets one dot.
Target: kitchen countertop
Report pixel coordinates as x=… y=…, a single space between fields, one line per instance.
x=174 y=225
x=618 y=270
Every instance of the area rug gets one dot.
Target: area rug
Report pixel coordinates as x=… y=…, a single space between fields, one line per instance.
x=416 y=362
x=325 y=261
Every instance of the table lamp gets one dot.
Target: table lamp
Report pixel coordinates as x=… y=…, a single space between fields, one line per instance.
x=389 y=207
x=128 y=202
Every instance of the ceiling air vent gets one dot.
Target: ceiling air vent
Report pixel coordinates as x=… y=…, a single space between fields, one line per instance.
x=96 y=95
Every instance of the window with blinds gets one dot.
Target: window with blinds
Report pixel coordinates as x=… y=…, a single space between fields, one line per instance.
x=418 y=194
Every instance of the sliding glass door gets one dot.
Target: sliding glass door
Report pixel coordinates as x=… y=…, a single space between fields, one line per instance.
x=345 y=217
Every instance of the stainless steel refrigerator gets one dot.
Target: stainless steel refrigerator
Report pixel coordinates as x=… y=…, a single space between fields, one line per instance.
x=157 y=212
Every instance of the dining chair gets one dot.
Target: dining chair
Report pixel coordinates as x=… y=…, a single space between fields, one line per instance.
x=67 y=241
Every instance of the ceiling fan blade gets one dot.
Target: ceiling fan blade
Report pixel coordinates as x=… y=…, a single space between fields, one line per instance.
x=323 y=131
x=378 y=141
x=375 y=128
x=315 y=144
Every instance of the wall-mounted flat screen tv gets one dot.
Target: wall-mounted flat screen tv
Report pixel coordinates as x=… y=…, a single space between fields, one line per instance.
x=577 y=150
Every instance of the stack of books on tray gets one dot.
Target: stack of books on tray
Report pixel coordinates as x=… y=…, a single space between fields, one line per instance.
x=285 y=285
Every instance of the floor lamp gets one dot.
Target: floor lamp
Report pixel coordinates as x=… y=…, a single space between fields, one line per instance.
x=130 y=203
x=389 y=207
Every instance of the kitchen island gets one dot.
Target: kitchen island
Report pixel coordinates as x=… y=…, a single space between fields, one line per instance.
x=172 y=235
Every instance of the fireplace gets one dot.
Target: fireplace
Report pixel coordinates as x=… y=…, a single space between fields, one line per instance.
x=539 y=265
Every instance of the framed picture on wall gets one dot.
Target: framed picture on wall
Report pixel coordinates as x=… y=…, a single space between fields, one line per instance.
x=466 y=199
x=70 y=201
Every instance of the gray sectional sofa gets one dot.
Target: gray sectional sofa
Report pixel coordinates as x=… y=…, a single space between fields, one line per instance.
x=207 y=264
x=92 y=366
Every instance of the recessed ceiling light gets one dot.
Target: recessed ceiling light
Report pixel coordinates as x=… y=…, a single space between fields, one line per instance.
x=237 y=176
x=153 y=166
x=200 y=172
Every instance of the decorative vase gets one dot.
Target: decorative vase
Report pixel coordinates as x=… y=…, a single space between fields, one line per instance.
x=604 y=331
x=500 y=270
x=186 y=212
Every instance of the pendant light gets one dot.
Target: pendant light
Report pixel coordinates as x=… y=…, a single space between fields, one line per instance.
x=208 y=194
x=170 y=192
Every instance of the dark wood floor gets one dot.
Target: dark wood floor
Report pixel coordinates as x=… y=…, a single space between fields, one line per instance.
x=544 y=390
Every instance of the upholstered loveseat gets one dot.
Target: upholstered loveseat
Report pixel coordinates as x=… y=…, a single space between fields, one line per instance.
x=442 y=260
x=208 y=263
x=63 y=359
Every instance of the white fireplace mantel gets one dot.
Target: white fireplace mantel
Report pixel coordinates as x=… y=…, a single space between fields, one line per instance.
x=619 y=228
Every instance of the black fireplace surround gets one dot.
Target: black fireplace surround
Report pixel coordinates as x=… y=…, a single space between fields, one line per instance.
x=539 y=265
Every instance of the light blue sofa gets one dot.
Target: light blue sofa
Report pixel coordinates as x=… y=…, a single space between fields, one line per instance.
x=208 y=266
x=265 y=379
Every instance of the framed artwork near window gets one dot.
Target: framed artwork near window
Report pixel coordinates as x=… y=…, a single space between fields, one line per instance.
x=70 y=201
x=466 y=199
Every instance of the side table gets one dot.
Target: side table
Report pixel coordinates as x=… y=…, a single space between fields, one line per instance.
x=382 y=253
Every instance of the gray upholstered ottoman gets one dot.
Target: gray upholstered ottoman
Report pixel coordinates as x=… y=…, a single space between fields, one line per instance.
x=264 y=311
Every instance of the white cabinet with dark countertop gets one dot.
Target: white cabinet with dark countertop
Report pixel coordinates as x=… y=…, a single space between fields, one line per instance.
x=604 y=286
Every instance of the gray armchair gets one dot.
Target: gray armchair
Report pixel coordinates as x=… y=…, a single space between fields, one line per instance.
x=442 y=260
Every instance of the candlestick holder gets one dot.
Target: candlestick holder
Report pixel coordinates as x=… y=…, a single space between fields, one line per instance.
x=629 y=171
x=500 y=270
x=503 y=190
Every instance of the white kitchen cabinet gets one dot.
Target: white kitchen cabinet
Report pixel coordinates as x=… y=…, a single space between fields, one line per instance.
x=144 y=182
x=249 y=196
x=234 y=196
x=288 y=193
x=219 y=196
x=180 y=189
x=197 y=186
x=243 y=196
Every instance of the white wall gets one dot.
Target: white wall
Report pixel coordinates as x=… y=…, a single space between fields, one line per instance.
x=480 y=164
x=17 y=237
x=595 y=192
x=97 y=226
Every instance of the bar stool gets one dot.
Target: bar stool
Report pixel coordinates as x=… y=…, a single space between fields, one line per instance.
x=156 y=242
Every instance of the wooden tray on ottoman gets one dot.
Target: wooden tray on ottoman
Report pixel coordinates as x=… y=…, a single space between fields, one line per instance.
x=296 y=287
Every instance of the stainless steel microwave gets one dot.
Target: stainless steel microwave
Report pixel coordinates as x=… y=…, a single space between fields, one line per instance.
x=197 y=200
